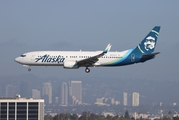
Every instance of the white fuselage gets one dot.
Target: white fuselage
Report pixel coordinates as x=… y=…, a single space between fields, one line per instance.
x=57 y=58
x=75 y=59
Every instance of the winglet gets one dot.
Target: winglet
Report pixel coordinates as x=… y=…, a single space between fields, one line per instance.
x=107 y=48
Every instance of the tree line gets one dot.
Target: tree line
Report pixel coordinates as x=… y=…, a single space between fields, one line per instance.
x=92 y=116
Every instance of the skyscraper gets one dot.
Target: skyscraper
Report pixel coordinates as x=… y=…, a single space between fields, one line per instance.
x=124 y=98
x=24 y=89
x=10 y=91
x=47 y=92
x=64 y=94
x=76 y=92
x=135 y=99
x=35 y=94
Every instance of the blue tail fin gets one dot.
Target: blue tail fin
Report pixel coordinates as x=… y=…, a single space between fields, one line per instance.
x=148 y=44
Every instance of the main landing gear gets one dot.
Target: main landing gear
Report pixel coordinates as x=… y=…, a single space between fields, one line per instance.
x=87 y=70
x=29 y=69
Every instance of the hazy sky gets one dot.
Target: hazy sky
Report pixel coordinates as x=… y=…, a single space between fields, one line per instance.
x=89 y=25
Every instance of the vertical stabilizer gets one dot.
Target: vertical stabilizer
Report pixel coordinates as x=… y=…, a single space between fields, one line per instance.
x=148 y=44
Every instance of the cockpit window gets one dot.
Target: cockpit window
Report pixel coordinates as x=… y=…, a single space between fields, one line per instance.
x=23 y=55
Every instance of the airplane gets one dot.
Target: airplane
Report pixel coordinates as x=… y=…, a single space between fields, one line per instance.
x=76 y=59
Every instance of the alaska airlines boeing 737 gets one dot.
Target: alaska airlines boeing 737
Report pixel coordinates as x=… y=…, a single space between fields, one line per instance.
x=75 y=59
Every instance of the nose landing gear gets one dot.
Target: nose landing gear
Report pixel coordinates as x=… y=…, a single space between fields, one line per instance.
x=29 y=69
x=87 y=70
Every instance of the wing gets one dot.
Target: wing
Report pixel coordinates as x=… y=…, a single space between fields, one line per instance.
x=90 y=61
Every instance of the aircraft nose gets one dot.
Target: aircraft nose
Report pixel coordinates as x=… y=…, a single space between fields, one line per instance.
x=17 y=60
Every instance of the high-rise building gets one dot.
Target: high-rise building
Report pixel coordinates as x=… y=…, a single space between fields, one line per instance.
x=1 y=90
x=64 y=97
x=113 y=101
x=56 y=100
x=24 y=89
x=10 y=91
x=35 y=94
x=21 y=109
x=125 y=98
x=47 y=92
x=135 y=99
x=76 y=92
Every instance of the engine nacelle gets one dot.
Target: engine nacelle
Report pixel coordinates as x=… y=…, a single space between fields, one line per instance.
x=70 y=65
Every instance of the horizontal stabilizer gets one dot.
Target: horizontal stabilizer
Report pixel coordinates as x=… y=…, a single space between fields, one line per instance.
x=151 y=55
x=148 y=56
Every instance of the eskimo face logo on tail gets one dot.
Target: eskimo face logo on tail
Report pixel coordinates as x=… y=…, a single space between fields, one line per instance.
x=47 y=58
x=149 y=43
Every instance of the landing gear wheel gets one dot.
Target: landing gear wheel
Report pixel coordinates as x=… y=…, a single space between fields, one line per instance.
x=29 y=69
x=87 y=70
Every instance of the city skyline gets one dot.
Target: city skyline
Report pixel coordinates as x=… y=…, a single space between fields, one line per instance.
x=147 y=97
x=99 y=93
